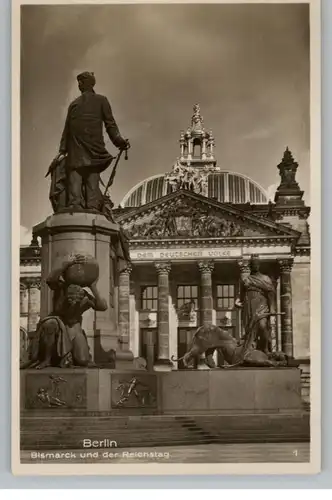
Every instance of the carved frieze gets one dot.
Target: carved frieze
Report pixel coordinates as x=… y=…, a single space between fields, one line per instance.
x=181 y=220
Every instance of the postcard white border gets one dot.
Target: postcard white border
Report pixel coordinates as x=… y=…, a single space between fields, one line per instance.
x=202 y=469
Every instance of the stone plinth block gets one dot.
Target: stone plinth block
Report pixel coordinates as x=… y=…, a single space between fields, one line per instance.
x=248 y=390
x=183 y=392
x=87 y=234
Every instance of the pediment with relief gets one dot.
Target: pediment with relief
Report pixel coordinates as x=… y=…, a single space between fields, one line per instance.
x=188 y=215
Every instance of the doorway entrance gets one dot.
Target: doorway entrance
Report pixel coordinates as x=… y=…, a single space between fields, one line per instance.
x=185 y=336
x=148 y=346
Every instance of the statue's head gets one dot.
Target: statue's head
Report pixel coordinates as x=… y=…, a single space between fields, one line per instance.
x=86 y=81
x=254 y=264
x=74 y=295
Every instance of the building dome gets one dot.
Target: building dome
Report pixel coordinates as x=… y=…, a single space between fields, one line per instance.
x=223 y=186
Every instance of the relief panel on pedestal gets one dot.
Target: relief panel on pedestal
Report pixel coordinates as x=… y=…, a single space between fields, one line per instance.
x=129 y=390
x=51 y=390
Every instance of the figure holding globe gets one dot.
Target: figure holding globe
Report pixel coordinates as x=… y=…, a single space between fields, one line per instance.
x=60 y=340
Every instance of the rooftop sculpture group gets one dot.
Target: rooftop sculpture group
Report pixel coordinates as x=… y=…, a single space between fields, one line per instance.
x=187 y=177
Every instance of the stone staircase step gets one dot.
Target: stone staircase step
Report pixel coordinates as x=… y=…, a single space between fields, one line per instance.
x=150 y=443
x=68 y=432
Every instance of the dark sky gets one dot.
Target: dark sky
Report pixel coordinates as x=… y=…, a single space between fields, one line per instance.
x=246 y=65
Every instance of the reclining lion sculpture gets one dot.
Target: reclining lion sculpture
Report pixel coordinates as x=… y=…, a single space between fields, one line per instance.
x=208 y=338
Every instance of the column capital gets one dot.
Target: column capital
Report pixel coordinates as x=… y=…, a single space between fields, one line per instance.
x=31 y=282
x=244 y=265
x=286 y=265
x=163 y=267
x=127 y=270
x=23 y=286
x=206 y=266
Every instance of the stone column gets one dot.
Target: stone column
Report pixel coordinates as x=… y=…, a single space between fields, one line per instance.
x=211 y=144
x=274 y=321
x=124 y=354
x=206 y=306
x=190 y=149
x=150 y=349
x=163 y=363
x=286 y=306
x=206 y=268
x=23 y=299
x=278 y=317
x=182 y=142
x=33 y=303
x=23 y=306
x=204 y=149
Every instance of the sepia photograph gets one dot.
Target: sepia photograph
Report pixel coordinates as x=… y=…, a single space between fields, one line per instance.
x=166 y=192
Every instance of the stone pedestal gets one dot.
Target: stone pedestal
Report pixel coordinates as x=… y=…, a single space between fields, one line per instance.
x=87 y=234
x=183 y=392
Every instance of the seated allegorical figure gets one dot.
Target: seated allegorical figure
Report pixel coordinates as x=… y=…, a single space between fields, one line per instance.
x=60 y=340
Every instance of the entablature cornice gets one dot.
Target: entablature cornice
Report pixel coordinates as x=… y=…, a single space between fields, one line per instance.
x=30 y=262
x=301 y=251
x=219 y=242
x=300 y=212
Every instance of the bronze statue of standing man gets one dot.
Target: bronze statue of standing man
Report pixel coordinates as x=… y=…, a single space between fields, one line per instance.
x=82 y=153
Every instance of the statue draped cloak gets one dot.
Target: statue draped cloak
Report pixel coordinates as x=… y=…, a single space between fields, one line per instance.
x=83 y=143
x=57 y=193
x=257 y=293
x=82 y=137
